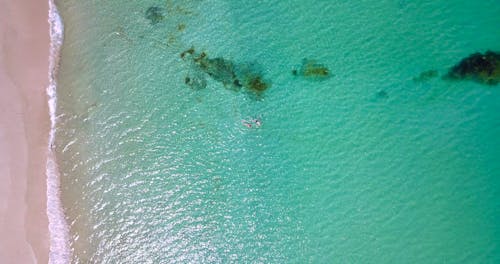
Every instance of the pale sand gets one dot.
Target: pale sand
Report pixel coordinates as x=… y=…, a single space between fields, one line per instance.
x=24 y=128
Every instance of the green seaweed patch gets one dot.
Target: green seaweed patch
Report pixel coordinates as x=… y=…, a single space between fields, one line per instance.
x=181 y=27
x=426 y=76
x=155 y=14
x=256 y=84
x=252 y=77
x=478 y=67
x=312 y=69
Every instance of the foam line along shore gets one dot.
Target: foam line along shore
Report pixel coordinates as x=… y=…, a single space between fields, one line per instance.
x=59 y=245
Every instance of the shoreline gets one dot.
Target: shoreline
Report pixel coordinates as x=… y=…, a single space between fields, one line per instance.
x=58 y=228
x=24 y=131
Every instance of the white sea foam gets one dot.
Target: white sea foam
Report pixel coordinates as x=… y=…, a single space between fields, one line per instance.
x=58 y=228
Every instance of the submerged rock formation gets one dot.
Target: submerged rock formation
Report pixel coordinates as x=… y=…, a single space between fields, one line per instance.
x=232 y=75
x=219 y=69
x=195 y=81
x=155 y=15
x=382 y=94
x=482 y=68
x=312 y=69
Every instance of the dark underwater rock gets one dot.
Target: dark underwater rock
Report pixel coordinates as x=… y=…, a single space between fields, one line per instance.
x=426 y=76
x=232 y=75
x=382 y=94
x=155 y=14
x=219 y=69
x=482 y=68
x=189 y=51
x=312 y=69
x=195 y=81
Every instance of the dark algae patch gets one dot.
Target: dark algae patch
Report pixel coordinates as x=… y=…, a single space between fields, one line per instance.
x=230 y=74
x=181 y=27
x=381 y=94
x=256 y=84
x=155 y=14
x=190 y=51
x=312 y=69
x=478 y=67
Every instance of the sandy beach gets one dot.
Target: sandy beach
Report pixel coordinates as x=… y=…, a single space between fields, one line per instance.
x=24 y=128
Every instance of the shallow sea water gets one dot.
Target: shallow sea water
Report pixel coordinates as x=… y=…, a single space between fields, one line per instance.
x=366 y=166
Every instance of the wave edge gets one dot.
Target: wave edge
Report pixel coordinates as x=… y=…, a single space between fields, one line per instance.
x=58 y=227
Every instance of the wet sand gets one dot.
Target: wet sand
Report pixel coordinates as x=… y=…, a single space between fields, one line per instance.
x=24 y=128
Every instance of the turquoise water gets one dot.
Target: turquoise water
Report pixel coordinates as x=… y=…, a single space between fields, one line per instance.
x=366 y=166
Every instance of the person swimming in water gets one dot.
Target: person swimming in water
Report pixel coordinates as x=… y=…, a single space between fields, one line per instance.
x=251 y=121
x=257 y=122
x=246 y=123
